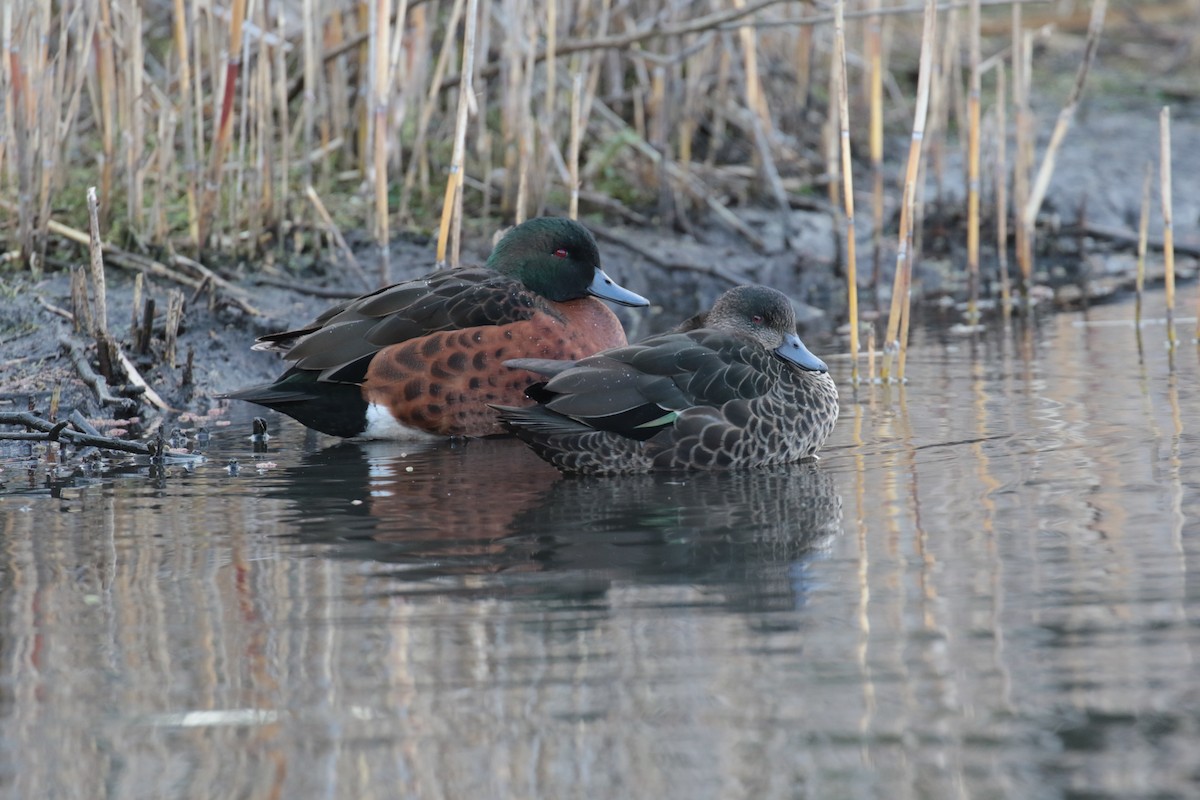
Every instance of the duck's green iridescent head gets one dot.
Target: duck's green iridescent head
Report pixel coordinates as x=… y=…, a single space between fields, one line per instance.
x=558 y=259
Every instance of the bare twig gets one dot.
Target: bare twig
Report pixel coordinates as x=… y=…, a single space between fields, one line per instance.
x=59 y=432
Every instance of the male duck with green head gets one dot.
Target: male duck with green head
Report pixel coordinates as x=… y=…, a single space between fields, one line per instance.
x=426 y=356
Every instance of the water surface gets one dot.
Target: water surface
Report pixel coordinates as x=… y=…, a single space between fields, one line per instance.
x=985 y=588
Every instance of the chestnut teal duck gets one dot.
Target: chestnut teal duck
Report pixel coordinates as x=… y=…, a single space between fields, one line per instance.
x=425 y=357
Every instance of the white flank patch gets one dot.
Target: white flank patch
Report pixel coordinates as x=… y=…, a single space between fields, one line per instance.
x=382 y=425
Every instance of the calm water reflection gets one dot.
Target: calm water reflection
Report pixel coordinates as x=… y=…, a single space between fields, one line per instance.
x=986 y=588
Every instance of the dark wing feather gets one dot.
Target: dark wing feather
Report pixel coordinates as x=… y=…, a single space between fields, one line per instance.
x=342 y=341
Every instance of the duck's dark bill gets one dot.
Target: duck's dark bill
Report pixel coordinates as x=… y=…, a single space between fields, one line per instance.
x=606 y=288
x=794 y=351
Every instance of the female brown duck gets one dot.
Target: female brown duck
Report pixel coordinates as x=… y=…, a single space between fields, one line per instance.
x=731 y=388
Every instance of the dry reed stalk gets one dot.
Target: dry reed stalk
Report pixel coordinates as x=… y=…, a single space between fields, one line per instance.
x=216 y=164
x=106 y=76
x=939 y=121
x=839 y=67
x=874 y=52
x=897 y=326
x=167 y=120
x=311 y=58
x=381 y=85
x=1143 y=233
x=804 y=58
x=133 y=132
x=756 y=100
x=973 y=122
x=1042 y=182
x=7 y=61
x=483 y=134
x=829 y=139
x=659 y=139
x=546 y=118
x=19 y=112
x=1023 y=158
x=135 y=328
x=263 y=205
x=336 y=75
x=451 y=226
x=525 y=143
x=239 y=213
x=1002 y=191
x=573 y=146
x=418 y=154
x=1164 y=182
x=284 y=123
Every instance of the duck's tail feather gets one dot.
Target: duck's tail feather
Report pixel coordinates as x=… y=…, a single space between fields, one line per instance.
x=337 y=409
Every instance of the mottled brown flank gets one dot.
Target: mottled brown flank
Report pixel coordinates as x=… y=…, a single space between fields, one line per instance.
x=464 y=370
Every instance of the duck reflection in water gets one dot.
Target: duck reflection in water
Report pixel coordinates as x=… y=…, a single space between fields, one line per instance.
x=492 y=510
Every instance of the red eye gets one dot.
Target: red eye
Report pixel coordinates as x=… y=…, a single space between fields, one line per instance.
x=757 y=319
x=560 y=253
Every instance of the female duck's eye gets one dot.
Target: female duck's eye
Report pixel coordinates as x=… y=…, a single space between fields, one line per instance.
x=757 y=319
x=560 y=253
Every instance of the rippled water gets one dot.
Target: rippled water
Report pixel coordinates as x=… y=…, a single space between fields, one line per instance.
x=986 y=588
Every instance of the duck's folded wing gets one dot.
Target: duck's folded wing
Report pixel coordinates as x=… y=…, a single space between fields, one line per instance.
x=640 y=389
x=341 y=343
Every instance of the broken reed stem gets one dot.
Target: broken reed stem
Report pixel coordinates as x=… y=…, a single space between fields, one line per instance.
x=1002 y=191
x=1164 y=182
x=895 y=341
x=839 y=65
x=105 y=351
x=1038 y=193
x=973 y=121
x=1143 y=234
x=233 y=64
x=451 y=226
x=381 y=79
